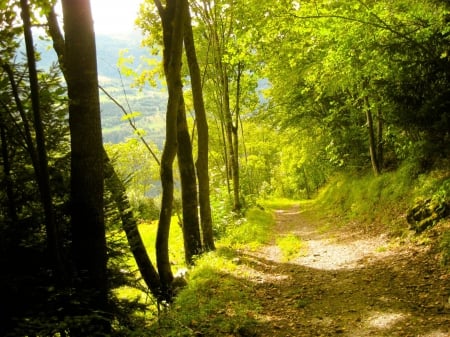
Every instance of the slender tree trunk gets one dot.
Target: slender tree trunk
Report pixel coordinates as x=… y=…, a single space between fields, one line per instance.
x=172 y=18
x=12 y=209
x=232 y=163
x=52 y=230
x=226 y=159
x=129 y=224
x=87 y=175
x=235 y=144
x=191 y=228
x=29 y=144
x=307 y=187
x=202 y=164
x=230 y=139
x=380 y=149
x=372 y=140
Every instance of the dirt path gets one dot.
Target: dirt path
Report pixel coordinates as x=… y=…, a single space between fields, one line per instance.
x=347 y=285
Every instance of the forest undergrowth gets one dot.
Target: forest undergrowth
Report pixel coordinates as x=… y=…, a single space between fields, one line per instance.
x=309 y=280
x=343 y=264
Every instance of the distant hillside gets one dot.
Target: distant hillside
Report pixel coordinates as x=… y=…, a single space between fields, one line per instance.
x=150 y=102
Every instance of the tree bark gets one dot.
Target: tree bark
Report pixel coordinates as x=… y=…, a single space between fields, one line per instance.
x=87 y=218
x=172 y=17
x=217 y=39
x=190 y=225
x=372 y=140
x=43 y=179
x=130 y=226
x=380 y=147
x=117 y=189
x=202 y=164
x=235 y=144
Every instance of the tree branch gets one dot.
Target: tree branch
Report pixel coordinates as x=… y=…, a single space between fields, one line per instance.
x=133 y=126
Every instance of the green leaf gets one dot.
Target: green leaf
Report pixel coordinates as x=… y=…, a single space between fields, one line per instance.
x=132 y=115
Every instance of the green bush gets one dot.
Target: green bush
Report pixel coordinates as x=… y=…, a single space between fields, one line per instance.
x=144 y=208
x=252 y=231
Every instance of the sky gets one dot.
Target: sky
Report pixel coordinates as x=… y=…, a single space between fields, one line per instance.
x=114 y=16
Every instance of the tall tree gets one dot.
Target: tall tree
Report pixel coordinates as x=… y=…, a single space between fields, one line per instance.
x=202 y=164
x=226 y=60
x=42 y=172
x=189 y=199
x=172 y=19
x=88 y=227
x=114 y=183
x=190 y=221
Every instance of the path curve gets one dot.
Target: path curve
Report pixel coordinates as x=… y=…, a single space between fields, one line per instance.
x=347 y=284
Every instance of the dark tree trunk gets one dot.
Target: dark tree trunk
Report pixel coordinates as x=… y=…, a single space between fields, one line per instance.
x=235 y=144
x=29 y=144
x=117 y=189
x=130 y=226
x=203 y=137
x=12 y=209
x=380 y=148
x=372 y=140
x=307 y=187
x=190 y=225
x=88 y=228
x=218 y=33
x=52 y=231
x=231 y=138
x=172 y=17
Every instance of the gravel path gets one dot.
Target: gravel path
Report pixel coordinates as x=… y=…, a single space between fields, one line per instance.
x=345 y=283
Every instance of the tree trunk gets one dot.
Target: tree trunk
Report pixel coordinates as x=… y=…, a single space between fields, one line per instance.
x=172 y=17
x=190 y=225
x=203 y=137
x=235 y=144
x=118 y=191
x=43 y=179
x=130 y=226
x=380 y=149
x=307 y=187
x=12 y=209
x=231 y=138
x=217 y=39
x=87 y=218
x=372 y=141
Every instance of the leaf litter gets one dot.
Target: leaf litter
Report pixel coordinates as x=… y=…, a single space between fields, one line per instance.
x=346 y=283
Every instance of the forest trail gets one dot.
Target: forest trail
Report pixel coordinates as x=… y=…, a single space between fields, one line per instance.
x=346 y=283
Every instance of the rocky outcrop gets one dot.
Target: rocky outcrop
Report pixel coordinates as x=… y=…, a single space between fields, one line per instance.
x=426 y=213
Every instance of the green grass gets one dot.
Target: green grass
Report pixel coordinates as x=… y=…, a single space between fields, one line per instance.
x=217 y=302
x=291 y=246
x=148 y=234
x=251 y=232
x=367 y=199
x=176 y=248
x=278 y=203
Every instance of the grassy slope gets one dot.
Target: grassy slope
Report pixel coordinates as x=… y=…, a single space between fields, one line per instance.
x=218 y=300
x=381 y=203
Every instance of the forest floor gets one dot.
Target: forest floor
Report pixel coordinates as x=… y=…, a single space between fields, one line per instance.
x=347 y=282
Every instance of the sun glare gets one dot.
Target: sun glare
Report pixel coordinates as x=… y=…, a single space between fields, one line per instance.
x=114 y=16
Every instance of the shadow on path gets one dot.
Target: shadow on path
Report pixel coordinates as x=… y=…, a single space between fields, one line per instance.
x=347 y=286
